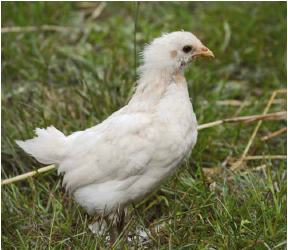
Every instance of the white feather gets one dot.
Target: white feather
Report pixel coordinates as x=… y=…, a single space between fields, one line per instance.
x=137 y=148
x=47 y=147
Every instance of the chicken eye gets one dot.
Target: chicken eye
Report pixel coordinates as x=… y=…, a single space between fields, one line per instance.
x=187 y=49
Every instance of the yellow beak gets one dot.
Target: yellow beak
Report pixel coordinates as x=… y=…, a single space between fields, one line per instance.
x=205 y=52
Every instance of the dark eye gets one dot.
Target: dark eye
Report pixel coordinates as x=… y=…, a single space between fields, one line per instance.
x=187 y=49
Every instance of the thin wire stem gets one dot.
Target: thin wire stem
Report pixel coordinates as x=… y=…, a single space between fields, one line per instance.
x=271 y=116
x=136 y=8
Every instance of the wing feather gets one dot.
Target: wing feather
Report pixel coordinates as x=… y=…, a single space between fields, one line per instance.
x=118 y=148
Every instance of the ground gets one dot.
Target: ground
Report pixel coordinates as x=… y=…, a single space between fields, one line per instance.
x=75 y=77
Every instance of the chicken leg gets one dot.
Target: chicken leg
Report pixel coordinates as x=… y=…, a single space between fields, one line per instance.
x=116 y=229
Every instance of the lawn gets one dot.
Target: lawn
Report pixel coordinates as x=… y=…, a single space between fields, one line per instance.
x=74 y=77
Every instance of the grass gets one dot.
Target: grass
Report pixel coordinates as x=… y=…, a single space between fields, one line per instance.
x=76 y=79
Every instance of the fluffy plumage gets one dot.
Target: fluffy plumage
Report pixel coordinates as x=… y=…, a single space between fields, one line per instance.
x=131 y=153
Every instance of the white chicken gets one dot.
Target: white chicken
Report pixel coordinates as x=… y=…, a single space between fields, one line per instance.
x=121 y=160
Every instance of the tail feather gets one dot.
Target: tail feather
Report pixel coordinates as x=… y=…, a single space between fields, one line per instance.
x=47 y=147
